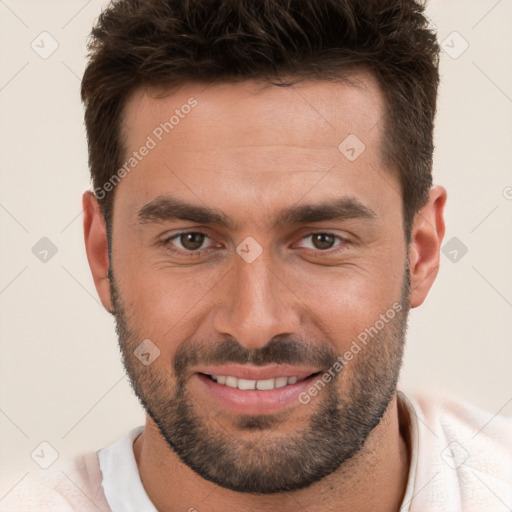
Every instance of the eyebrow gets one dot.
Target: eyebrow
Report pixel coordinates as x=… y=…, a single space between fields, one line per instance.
x=166 y=208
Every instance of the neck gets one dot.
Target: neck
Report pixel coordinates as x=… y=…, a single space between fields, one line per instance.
x=374 y=479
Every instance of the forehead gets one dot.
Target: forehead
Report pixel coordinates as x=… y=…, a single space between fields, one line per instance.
x=243 y=110
x=251 y=139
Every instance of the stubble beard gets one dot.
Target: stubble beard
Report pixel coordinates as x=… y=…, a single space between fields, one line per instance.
x=268 y=461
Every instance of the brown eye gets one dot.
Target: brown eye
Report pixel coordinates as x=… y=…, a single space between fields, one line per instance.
x=192 y=241
x=323 y=241
x=189 y=244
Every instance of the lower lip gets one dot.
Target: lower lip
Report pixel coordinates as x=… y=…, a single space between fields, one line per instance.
x=255 y=402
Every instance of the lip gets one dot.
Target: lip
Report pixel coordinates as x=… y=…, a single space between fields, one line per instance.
x=252 y=401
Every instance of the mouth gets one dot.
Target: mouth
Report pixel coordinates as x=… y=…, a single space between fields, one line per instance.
x=260 y=385
x=269 y=391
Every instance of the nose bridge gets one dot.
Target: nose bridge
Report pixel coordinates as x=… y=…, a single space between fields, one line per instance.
x=256 y=305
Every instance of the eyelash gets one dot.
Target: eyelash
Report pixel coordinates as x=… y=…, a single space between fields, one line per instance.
x=200 y=252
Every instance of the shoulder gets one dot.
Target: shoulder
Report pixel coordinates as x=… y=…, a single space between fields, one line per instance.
x=464 y=453
x=484 y=434
x=72 y=485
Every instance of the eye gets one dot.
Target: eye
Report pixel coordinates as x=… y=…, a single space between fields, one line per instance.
x=190 y=243
x=324 y=241
x=187 y=243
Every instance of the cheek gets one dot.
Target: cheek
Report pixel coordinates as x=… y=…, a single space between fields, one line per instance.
x=165 y=304
x=343 y=302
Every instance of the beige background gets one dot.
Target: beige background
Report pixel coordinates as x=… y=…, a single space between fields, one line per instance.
x=61 y=379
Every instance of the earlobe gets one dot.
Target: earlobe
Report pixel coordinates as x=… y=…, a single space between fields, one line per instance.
x=96 y=246
x=424 y=250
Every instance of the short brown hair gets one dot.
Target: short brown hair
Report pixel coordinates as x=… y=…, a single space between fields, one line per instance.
x=138 y=43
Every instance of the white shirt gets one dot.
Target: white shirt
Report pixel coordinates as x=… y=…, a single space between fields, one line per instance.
x=461 y=461
x=121 y=481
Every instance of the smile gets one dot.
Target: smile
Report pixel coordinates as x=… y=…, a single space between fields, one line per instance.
x=261 y=385
x=256 y=391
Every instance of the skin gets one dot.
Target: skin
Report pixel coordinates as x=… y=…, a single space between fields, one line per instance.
x=237 y=151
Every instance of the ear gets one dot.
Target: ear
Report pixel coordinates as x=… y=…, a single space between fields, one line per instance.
x=96 y=246
x=424 y=250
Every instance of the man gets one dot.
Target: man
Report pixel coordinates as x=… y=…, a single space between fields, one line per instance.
x=263 y=219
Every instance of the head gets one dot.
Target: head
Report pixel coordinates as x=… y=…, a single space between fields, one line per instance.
x=262 y=176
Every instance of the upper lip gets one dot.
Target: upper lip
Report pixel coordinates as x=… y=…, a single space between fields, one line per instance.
x=258 y=372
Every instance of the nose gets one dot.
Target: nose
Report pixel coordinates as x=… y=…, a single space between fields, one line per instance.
x=257 y=303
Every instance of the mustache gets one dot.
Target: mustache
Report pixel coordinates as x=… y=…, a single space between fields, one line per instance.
x=279 y=350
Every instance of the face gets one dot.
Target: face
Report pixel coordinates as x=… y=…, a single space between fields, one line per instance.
x=257 y=250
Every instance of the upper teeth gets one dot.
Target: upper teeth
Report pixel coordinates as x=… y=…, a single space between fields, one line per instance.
x=262 y=385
